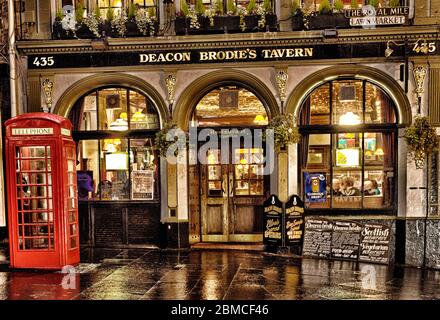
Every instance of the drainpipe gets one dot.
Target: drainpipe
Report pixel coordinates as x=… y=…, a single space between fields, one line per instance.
x=12 y=62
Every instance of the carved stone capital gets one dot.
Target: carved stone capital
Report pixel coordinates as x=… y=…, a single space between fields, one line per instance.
x=419 y=73
x=281 y=78
x=47 y=86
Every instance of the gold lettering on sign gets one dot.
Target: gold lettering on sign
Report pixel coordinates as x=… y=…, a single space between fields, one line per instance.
x=31 y=131
x=228 y=55
x=164 y=57
x=287 y=53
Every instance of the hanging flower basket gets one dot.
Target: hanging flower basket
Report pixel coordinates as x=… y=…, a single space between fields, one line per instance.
x=163 y=143
x=284 y=130
x=422 y=140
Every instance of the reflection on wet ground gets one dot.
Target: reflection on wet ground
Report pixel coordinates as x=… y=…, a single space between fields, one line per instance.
x=215 y=275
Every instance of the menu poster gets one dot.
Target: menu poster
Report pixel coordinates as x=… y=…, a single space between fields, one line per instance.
x=318 y=238
x=273 y=219
x=345 y=240
x=294 y=220
x=315 y=187
x=375 y=243
x=142 y=187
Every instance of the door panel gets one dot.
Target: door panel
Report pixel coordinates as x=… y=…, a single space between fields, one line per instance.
x=232 y=196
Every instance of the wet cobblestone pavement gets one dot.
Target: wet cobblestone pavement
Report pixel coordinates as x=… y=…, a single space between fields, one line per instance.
x=216 y=275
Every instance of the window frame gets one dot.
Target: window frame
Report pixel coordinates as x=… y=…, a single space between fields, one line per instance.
x=129 y=134
x=331 y=129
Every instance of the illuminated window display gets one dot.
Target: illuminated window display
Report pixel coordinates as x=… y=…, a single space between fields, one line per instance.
x=123 y=163
x=348 y=147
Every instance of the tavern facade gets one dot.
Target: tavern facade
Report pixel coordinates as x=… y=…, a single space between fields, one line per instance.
x=352 y=91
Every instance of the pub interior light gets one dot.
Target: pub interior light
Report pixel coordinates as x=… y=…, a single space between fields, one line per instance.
x=388 y=50
x=349 y=119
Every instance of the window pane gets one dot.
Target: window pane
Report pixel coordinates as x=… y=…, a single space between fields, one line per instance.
x=87 y=169
x=378 y=106
x=114 y=169
x=88 y=120
x=113 y=109
x=144 y=170
x=320 y=105
x=347 y=150
x=347 y=97
x=375 y=186
x=347 y=186
x=316 y=171
x=143 y=112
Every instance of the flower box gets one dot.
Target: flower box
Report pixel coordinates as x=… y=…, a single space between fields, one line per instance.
x=182 y=26
x=297 y=22
x=225 y=24
x=324 y=21
x=58 y=32
x=83 y=32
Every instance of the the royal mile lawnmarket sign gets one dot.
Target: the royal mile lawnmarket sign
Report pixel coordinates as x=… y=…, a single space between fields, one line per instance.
x=371 y=16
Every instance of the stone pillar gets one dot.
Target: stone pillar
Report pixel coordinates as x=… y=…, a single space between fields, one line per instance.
x=284 y=14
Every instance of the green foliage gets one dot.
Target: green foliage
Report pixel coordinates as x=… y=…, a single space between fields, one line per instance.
x=200 y=8
x=338 y=5
x=232 y=8
x=131 y=11
x=110 y=15
x=79 y=12
x=284 y=131
x=324 y=7
x=373 y=3
x=421 y=139
x=151 y=12
x=218 y=7
x=394 y=3
x=295 y=7
x=251 y=7
x=97 y=13
x=354 y=4
x=163 y=143
x=267 y=5
x=184 y=7
x=59 y=15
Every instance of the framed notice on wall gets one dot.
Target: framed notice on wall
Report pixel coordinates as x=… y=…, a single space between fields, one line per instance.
x=142 y=187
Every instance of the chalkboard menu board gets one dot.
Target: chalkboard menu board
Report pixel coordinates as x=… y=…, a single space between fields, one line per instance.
x=294 y=220
x=345 y=240
x=318 y=238
x=375 y=243
x=273 y=220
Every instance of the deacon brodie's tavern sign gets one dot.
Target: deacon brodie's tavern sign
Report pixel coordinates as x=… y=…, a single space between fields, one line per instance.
x=218 y=55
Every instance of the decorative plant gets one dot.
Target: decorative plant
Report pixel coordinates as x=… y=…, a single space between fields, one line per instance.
x=163 y=143
x=324 y=7
x=421 y=139
x=267 y=5
x=373 y=3
x=218 y=7
x=145 y=21
x=59 y=16
x=131 y=11
x=210 y=13
x=97 y=13
x=79 y=13
x=232 y=8
x=184 y=8
x=394 y=3
x=354 y=4
x=284 y=130
x=93 y=24
x=241 y=11
x=251 y=7
x=261 y=12
x=200 y=8
x=110 y=16
x=193 y=19
x=296 y=9
x=119 y=23
x=338 y=6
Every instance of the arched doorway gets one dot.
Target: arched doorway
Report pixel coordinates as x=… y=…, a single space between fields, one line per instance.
x=231 y=184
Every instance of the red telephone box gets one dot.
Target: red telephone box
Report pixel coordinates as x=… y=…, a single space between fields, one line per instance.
x=42 y=192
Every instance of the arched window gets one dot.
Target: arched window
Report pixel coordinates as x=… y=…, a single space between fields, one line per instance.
x=348 y=147
x=114 y=128
x=230 y=105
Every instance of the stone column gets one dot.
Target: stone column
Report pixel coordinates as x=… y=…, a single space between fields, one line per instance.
x=284 y=14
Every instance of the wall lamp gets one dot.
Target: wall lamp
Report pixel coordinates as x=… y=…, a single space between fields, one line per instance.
x=424 y=48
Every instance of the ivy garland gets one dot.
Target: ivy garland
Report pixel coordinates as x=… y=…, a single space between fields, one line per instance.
x=421 y=139
x=162 y=143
